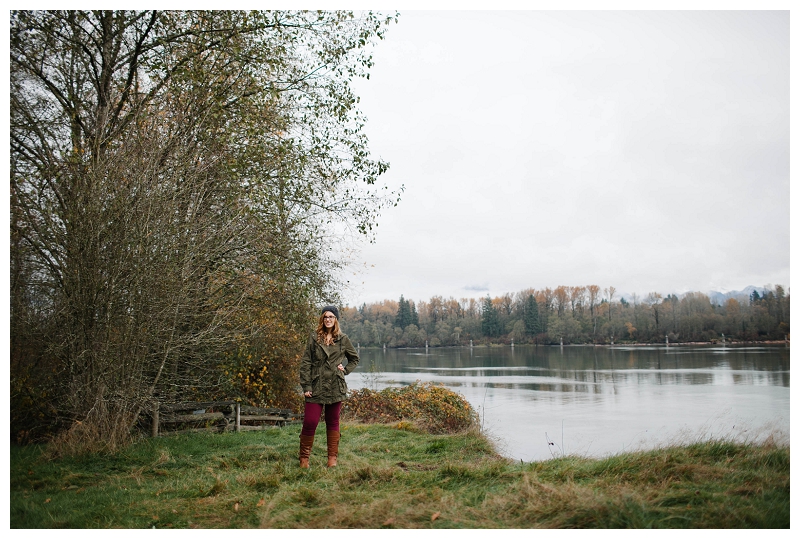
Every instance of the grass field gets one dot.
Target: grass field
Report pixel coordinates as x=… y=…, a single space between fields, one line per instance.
x=394 y=476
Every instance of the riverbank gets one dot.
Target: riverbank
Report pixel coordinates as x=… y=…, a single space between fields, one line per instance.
x=395 y=476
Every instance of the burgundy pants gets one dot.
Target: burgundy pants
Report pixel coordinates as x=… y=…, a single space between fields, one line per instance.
x=313 y=412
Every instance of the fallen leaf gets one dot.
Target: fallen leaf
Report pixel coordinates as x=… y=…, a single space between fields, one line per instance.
x=260 y=502
x=435 y=516
x=47 y=500
x=236 y=506
x=388 y=522
x=155 y=517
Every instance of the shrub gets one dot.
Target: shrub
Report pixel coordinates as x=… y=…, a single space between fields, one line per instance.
x=434 y=408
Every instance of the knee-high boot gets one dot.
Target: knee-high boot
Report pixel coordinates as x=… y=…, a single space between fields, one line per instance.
x=333 y=447
x=306 y=443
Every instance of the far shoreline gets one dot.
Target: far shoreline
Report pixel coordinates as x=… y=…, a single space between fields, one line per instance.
x=573 y=345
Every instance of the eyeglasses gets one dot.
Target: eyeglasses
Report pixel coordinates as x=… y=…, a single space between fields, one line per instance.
x=329 y=317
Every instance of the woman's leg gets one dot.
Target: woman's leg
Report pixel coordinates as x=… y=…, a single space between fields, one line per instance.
x=332 y=431
x=332 y=412
x=311 y=415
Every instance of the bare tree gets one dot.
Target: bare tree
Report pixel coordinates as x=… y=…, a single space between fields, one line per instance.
x=610 y=292
x=594 y=293
x=653 y=300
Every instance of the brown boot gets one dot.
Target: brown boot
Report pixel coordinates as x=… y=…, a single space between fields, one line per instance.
x=333 y=447
x=306 y=442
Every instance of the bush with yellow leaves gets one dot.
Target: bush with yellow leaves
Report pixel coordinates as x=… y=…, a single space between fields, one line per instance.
x=434 y=408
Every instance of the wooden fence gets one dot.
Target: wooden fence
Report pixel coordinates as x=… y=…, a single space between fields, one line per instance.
x=217 y=416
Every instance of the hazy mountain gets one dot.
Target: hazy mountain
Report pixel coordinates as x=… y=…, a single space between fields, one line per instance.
x=720 y=298
x=717 y=298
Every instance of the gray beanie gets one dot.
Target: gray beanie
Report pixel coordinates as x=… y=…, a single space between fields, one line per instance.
x=332 y=309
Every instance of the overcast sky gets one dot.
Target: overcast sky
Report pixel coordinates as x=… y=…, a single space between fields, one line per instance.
x=646 y=150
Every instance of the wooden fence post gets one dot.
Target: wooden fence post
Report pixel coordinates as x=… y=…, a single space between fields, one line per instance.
x=238 y=416
x=154 y=431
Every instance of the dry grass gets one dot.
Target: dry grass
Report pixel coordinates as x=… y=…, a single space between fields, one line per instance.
x=392 y=476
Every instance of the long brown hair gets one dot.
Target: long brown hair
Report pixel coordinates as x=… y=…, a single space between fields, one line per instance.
x=321 y=330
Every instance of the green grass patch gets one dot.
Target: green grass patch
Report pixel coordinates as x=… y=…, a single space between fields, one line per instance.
x=394 y=476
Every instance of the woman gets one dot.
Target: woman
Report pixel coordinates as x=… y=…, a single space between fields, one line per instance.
x=322 y=377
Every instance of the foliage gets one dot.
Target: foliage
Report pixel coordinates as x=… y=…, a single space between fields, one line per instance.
x=390 y=477
x=183 y=186
x=406 y=314
x=530 y=316
x=32 y=415
x=434 y=408
x=262 y=367
x=576 y=314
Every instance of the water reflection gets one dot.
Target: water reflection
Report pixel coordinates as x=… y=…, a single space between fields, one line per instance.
x=606 y=398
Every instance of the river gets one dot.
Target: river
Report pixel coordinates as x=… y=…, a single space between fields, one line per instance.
x=539 y=402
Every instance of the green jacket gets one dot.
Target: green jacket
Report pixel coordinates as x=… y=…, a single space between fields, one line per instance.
x=319 y=372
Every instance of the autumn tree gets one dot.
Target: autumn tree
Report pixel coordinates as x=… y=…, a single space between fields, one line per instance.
x=453 y=308
x=435 y=309
x=577 y=295
x=561 y=297
x=173 y=176
x=506 y=303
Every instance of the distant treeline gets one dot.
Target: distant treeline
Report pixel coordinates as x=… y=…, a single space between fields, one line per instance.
x=572 y=315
